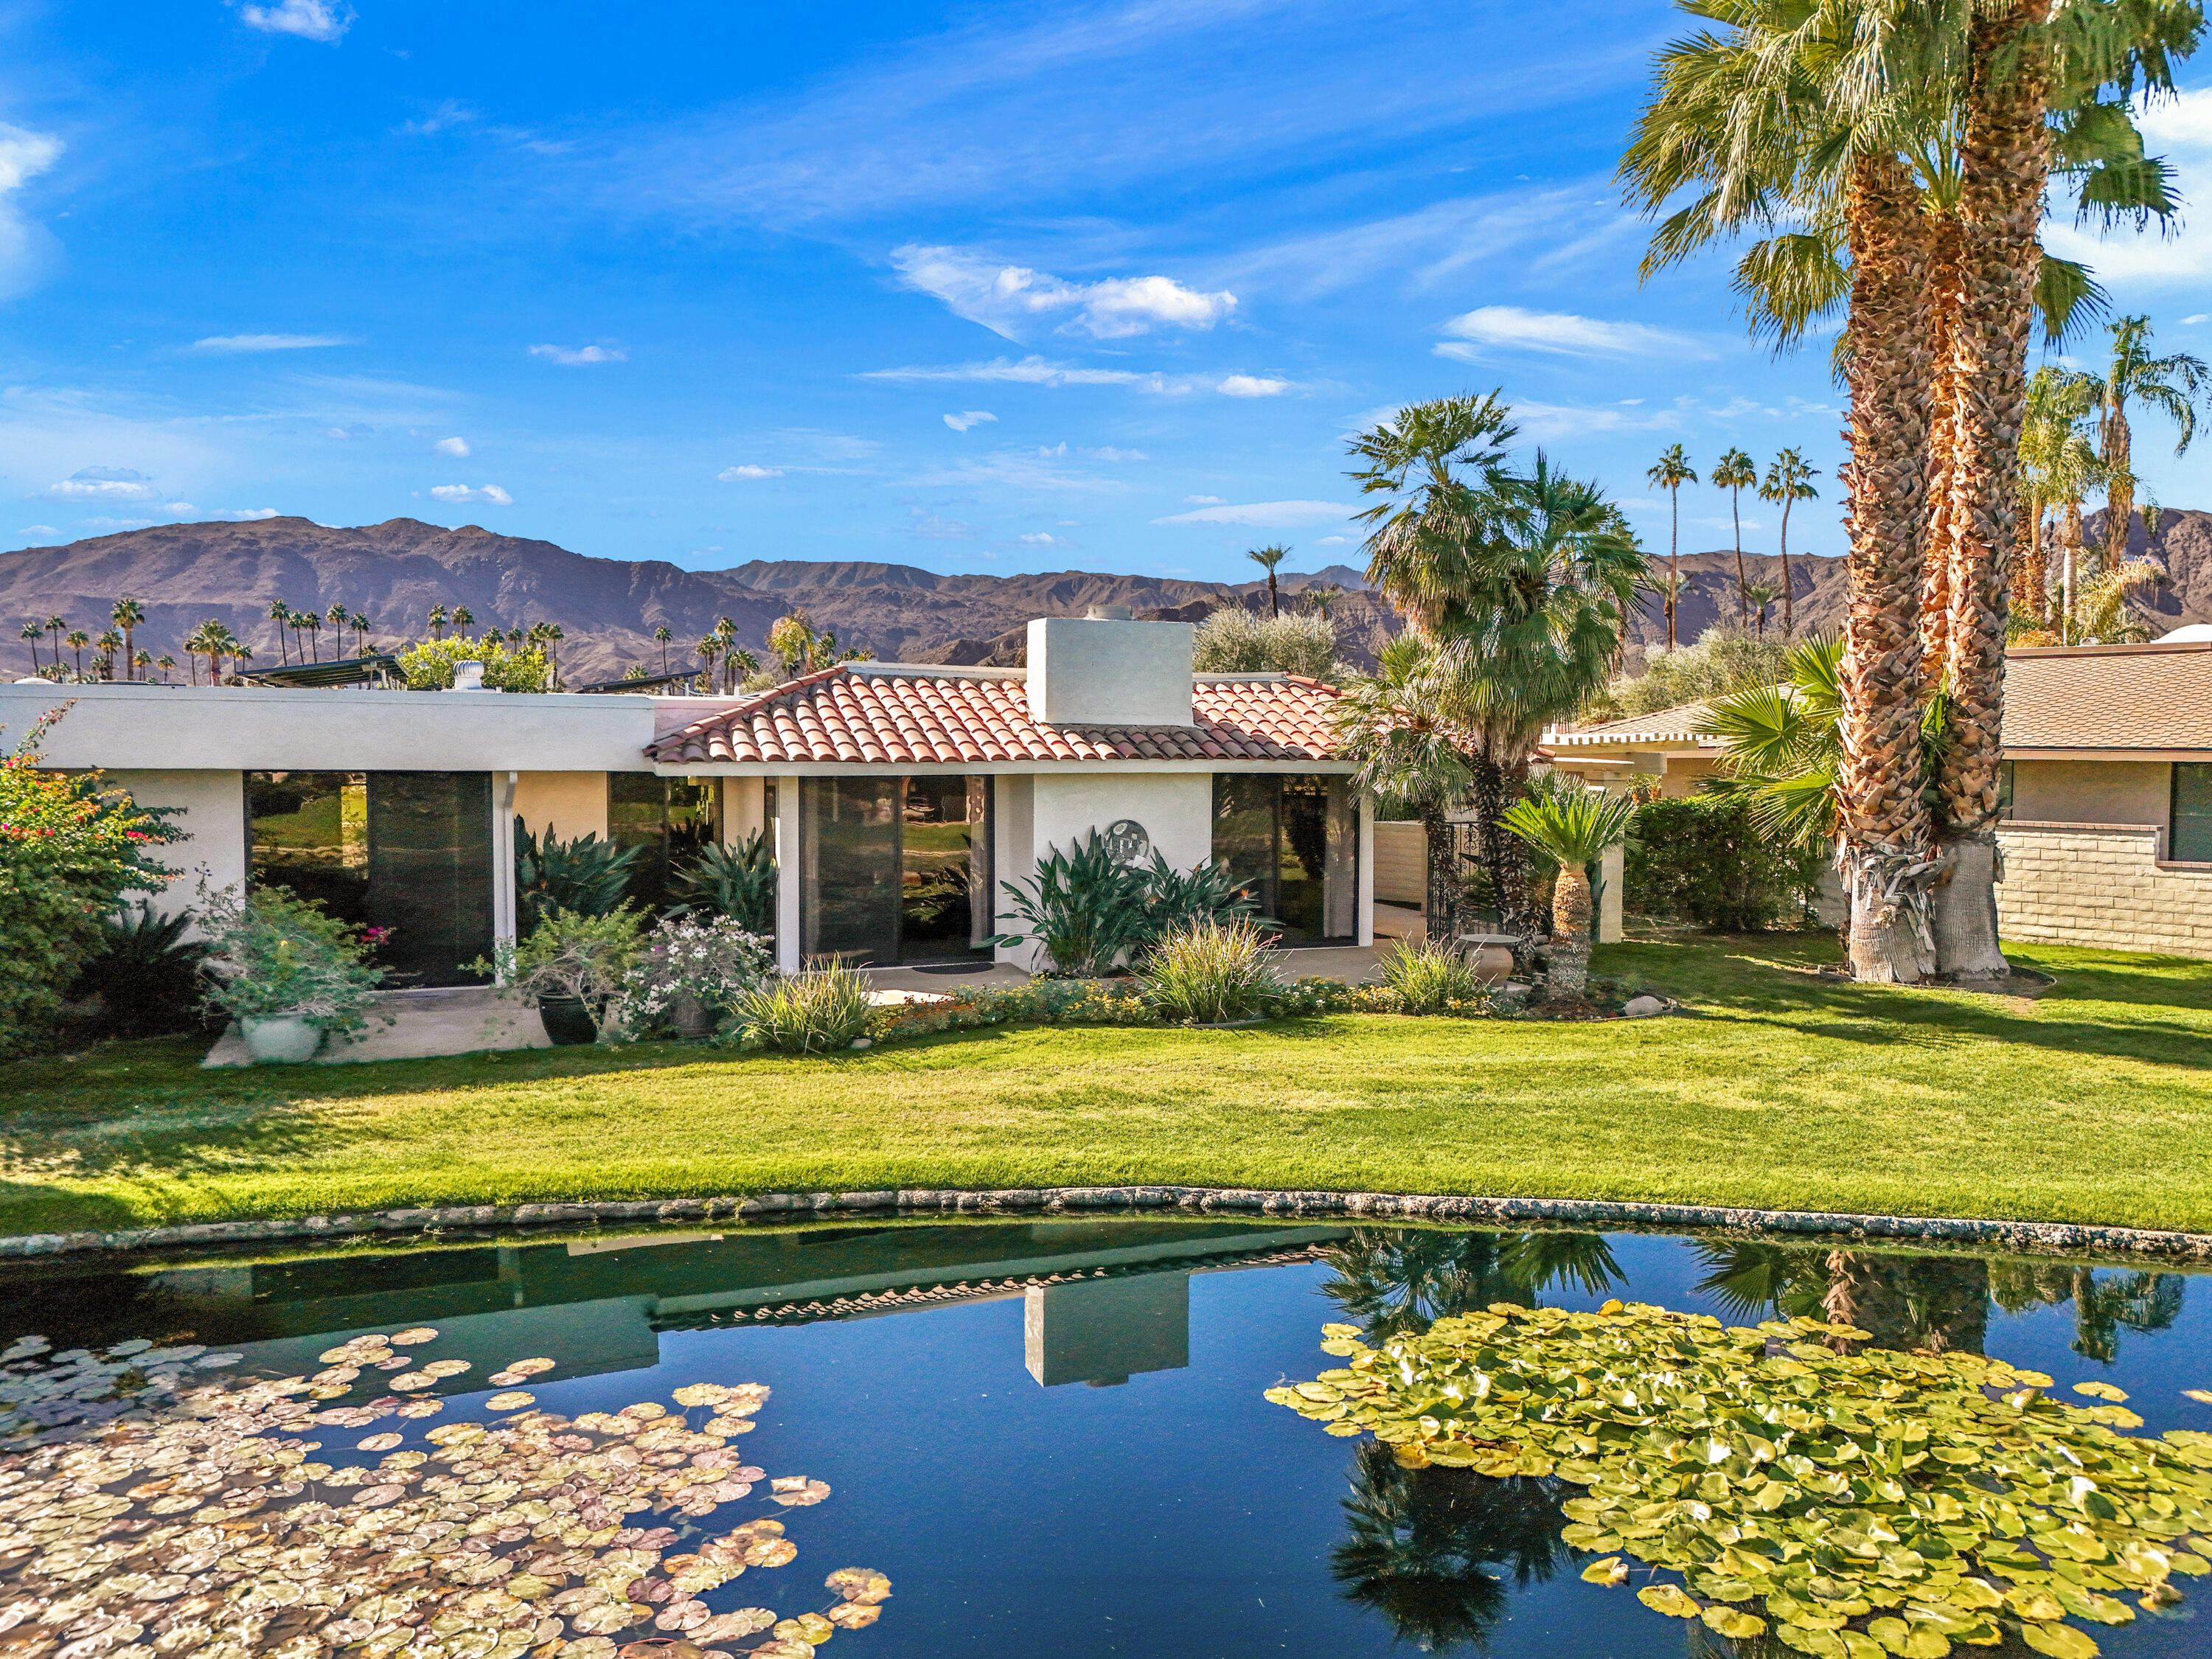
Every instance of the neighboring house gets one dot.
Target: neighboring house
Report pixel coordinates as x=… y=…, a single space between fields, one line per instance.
x=2107 y=790
x=896 y=798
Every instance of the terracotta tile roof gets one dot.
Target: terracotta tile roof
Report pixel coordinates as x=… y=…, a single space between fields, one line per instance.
x=864 y=716
x=2112 y=696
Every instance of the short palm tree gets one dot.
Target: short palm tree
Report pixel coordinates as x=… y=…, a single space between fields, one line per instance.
x=1758 y=596
x=129 y=615
x=1574 y=827
x=2059 y=465
x=168 y=665
x=464 y=618
x=1393 y=725
x=1736 y=472
x=795 y=643
x=1671 y=472
x=1267 y=558
x=2170 y=384
x=1788 y=480
x=110 y=646
x=359 y=623
x=707 y=650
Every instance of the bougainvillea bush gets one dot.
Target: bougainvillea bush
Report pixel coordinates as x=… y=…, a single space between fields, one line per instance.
x=71 y=846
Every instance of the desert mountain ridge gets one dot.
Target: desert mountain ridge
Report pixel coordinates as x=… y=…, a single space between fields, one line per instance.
x=394 y=572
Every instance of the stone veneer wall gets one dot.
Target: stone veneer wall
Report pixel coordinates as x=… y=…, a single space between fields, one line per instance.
x=2102 y=884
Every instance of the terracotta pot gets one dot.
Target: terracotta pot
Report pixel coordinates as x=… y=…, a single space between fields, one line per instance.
x=567 y=1021
x=281 y=1039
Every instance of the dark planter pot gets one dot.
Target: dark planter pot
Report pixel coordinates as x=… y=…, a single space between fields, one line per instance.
x=567 y=1021
x=692 y=1018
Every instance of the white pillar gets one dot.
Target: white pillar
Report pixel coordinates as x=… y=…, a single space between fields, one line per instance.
x=1366 y=933
x=787 y=936
x=1612 y=868
x=503 y=857
x=741 y=808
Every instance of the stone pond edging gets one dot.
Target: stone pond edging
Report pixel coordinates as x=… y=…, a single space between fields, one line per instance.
x=2020 y=1235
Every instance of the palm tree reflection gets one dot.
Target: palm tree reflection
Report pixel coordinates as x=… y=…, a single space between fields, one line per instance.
x=1431 y=1549
x=1393 y=1281
x=2103 y=1307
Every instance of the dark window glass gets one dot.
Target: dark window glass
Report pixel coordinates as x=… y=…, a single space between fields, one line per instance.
x=668 y=820
x=937 y=872
x=850 y=829
x=309 y=834
x=2189 y=839
x=1293 y=839
x=1302 y=861
x=2004 y=788
x=1244 y=832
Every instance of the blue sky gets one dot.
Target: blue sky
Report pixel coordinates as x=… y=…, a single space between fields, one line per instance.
x=987 y=288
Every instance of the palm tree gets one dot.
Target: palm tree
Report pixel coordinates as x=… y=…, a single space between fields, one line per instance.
x=1788 y=479
x=1267 y=558
x=78 y=639
x=313 y=622
x=1736 y=472
x=1669 y=590
x=30 y=635
x=2170 y=384
x=281 y=614
x=1670 y=474
x=2059 y=465
x=359 y=623
x=796 y=645
x=336 y=618
x=463 y=617
x=437 y=621
x=1758 y=596
x=168 y=665
x=1574 y=827
x=142 y=659
x=128 y=615
x=554 y=634
x=110 y=643
x=213 y=640
x=661 y=637
x=1393 y=724
x=707 y=651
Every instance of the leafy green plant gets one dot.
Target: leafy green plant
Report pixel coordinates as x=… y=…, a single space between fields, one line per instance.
x=815 y=1012
x=428 y=664
x=714 y=962
x=569 y=956
x=587 y=877
x=1234 y=640
x=272 y=954
x=1428 y=977
x=1572 y=828
x=1844 y=1503
x=1706 y=858
x=1208 y=891
x=146 y=973
x=737 y=882
x=1207 y=972
x=1091 y=912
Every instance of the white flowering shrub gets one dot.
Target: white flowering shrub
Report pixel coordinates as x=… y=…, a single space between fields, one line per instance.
x=713 y=960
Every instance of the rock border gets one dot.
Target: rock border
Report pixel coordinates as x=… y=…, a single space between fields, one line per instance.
x=2019 y=1236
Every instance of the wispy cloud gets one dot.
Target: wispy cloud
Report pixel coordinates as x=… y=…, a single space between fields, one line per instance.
x=1043 y=470
x=1544 y=421
x=1041 y=371
x=575 y=356
x=922 y=522
x=1012 y=300
x=456 y=447
x=1489 y=329
x=244 y=514
x=1266 y=513
x=311 y=20
x=490 y=495
x=1252 y=386
x=222 y=345
x=740 y=474
x=969 y=417
x=27 y=251
x=103 y=483
x=446 y=115
x=37 y=530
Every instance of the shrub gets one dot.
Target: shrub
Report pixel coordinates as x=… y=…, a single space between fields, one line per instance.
x=570 y=956
x=737 y=882
x=1204 y=972
x=1239 y=642
x=428 y=666
x=822 y=1009
x=714 y=961
x=1726 y=659
x=272 y=954
x=71 y=845
x=1431 y=978
x=1091 y=912
x=1702 y=859
x=587 y=877
x=146 y=973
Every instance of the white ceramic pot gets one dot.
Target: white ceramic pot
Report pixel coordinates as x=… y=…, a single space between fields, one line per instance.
x=281 y=1039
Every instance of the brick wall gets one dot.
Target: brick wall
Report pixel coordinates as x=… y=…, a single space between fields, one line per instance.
x=2102 y=884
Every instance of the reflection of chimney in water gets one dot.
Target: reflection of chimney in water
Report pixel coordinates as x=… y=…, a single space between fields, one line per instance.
x=1104 y=1331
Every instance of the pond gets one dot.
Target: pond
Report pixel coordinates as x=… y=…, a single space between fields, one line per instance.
x=1049 y=1437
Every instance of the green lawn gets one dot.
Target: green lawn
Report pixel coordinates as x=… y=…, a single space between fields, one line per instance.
x=1778 y=1090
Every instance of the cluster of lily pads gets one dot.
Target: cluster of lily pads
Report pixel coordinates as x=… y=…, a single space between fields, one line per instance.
x=151 y=1506
x=1845 y=1502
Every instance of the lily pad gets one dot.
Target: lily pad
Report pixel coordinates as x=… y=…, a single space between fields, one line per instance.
x=515 y=1400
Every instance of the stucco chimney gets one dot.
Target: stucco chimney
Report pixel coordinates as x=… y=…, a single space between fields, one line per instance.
x=1105 y=671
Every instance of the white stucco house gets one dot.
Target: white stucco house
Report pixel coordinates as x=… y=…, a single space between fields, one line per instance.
x=897 y=798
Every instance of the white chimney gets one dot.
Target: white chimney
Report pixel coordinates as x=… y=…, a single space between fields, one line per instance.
x=1105 y=670
x=468 y=677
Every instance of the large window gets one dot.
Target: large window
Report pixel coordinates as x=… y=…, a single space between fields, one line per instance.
x=894 y=869
x=668 y=820
x=2188 y=836
x=408 y=851
x=1295 y=841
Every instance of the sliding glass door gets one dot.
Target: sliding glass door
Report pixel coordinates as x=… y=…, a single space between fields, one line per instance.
x=895 y=870
x=1295 y=841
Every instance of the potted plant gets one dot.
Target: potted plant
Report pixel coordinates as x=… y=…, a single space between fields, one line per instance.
x=571 y=967
x=693 y=970
x=288 y=972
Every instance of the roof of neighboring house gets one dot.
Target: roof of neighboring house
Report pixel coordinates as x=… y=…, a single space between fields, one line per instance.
x=2109 y=697
x=902 y=714
x=1669 y=725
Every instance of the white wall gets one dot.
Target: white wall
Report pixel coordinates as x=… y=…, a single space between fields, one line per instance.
x=1109 y=673
x=213 y=816
x=1177 y=812
x=1013 y=859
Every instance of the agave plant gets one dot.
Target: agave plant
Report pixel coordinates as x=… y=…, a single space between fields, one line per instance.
x=587 y=877
x=737 y=882
x=1091 y=912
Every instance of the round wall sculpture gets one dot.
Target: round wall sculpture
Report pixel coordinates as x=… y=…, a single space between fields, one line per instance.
x=1127 y=840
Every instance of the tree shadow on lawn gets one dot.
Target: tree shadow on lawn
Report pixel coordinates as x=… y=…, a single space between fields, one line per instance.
x=31 y=1206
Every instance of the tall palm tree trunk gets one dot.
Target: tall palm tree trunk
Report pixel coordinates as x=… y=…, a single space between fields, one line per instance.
x=1946 y=302
x=1735 y=513
x=2029 y=571
x=1437 y=913
x=1883 y=856
x=2120 y=487
x=1674 y=564
x=1789 y=613
x=2004 y=164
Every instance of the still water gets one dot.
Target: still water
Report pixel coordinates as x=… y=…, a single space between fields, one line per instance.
x=1050 y=1436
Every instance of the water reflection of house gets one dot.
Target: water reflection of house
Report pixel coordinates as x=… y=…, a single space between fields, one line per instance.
x=1103 y=1301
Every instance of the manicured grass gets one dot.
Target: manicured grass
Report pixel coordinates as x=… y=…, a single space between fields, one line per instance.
x=1778 y=1090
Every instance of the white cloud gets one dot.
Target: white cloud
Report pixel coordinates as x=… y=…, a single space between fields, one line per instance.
x=1107 y=452
x=115 y=524
x=1543 y=421
x=1204 y=501
x=1252 y=386
x=1041 y=538
x=456 y=447
x=572 y=356
x=968 y=417
x=1332 y=541
x=2180 y=129
x=228 y=344
x=182 y=510
x=736 y=474
x=1514 y=329
x=27 y=251
x=491 y=495
x=2201 y=317
x=37 y=530
x=448 y=114
x=1008 y=299
x=1265 y=513
x=244 y=514
x=311 y=20
x=920 y=521
x=103 y=483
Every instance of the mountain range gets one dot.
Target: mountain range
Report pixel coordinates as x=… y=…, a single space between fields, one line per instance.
x=394 y=572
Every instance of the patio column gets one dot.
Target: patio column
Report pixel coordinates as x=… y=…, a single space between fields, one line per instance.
x=787 y=936
x=1365 y=935
x=502 y=855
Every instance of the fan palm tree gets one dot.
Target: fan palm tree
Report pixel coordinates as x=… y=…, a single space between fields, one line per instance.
x=168 y=665
x=1393 y=724
x=1790 y=479
x=30 y=635
x=707 y=651
x=554 y=634
x=1758 y=596
x=110 y=643
x=338 y=619
x=795 y=644
x=1574 y=828
x=2059 y=465
x=438 y=622
x=313 y=622
x=1736 y=472
x=78 y=640
x=1267 y=558
x=1671 y=472
x=141 y=659
x=2170 y=384
x=359 y=623
x=129 y=615
x=281 y=614
x=661 y=637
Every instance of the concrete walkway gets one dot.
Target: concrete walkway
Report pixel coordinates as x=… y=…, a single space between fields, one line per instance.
x=461 y=1019
x=1355 y=964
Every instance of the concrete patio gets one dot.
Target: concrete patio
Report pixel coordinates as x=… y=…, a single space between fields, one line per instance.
x=462 y=1019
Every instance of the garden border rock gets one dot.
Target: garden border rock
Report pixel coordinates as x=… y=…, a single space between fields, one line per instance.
x=2019 y=1236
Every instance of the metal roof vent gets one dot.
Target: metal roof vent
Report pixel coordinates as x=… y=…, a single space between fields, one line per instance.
x=1108 y=613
